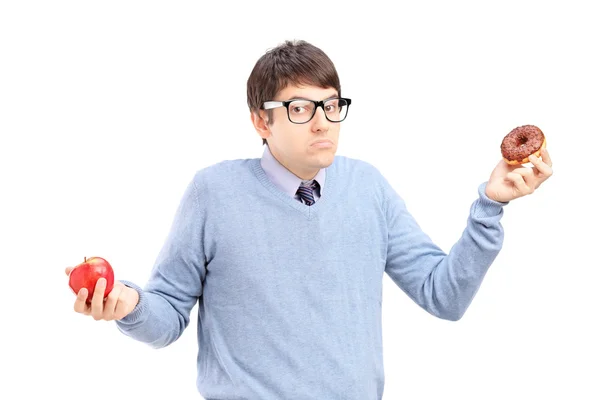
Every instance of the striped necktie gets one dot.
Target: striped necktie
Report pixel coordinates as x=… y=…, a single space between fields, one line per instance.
x=305 y=192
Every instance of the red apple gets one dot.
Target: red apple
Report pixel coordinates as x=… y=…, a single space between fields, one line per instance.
x=86 y=274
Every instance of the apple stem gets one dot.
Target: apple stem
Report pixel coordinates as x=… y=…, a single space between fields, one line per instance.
x=84 y=259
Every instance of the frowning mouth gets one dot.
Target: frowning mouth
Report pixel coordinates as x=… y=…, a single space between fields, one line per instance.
x=322 y=144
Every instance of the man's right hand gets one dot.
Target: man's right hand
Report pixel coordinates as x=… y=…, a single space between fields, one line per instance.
x=120 y=301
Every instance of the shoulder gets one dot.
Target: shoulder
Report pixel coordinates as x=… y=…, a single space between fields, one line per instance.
x=354 y=169
x=349 y=166
x=224 y=172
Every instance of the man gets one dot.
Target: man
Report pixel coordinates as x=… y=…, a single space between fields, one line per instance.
x=286 y=254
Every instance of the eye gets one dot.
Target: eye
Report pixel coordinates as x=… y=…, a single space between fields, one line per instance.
x=298 y=110
x=300 y=107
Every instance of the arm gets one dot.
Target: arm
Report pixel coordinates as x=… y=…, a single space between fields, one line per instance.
x=175 y=283
x=442 y=284
x=445 y=284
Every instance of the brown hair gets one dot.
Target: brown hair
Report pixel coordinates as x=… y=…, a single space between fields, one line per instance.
x=291 y=63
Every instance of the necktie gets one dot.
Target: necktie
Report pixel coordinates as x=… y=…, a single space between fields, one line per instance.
x=306 y=192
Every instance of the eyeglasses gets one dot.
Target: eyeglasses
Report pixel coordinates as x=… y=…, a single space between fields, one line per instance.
x=302 y=111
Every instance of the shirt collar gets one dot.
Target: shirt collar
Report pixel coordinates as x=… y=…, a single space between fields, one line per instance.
x=282 y=177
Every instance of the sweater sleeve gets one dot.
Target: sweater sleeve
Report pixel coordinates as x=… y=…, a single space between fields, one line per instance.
x=175 y=282
x=442 y=284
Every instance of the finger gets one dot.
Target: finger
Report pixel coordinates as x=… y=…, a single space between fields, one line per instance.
x=111 y=303
x=542 y=166
x=518 y=182
x=546 y=157
x=98 y=299
x=68 y=270
x=528 y=176
x=80 y=305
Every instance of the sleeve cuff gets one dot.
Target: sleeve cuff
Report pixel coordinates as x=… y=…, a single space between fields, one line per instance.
x=140 y=311
x=484 y=206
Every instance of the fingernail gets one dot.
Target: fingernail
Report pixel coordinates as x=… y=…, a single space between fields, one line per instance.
x=533 y=158
x=101 y=282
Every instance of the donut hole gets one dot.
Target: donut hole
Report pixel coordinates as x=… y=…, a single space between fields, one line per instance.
x=522 y=140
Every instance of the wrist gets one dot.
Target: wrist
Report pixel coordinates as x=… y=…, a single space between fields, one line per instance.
x=493 y=196
x=139 y=311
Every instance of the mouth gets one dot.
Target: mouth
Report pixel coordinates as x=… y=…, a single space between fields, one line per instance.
x=322 y=144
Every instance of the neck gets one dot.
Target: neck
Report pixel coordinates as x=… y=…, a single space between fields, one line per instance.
x=307 y=176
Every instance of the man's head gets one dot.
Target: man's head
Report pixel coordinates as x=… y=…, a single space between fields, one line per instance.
x=296 y=70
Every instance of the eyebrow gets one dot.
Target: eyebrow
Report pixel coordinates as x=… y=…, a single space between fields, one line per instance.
x=305 y=98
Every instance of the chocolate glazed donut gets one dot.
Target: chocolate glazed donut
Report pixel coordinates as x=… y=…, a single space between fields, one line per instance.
x=522 y=142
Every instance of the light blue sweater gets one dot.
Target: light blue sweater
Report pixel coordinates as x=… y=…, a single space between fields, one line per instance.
x=290 y=295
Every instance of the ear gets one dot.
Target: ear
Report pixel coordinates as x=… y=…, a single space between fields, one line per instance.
x=260 y=124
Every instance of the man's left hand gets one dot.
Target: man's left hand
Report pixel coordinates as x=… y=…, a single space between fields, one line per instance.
x=509 y=182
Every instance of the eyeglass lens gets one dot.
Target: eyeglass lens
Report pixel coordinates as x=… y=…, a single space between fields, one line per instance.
x=301 y=111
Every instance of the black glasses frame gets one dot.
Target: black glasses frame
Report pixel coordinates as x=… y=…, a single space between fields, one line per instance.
x=268 y=105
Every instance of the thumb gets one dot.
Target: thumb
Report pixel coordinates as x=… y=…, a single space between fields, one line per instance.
x=68 y=270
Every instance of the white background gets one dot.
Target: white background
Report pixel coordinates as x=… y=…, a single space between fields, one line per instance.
x=108 y=108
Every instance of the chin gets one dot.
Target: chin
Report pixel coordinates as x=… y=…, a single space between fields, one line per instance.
x=325 y=160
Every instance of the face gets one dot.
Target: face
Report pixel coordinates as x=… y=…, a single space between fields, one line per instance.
x=302 y=148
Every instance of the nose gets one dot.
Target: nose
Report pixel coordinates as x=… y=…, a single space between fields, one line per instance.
x=320 y=122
